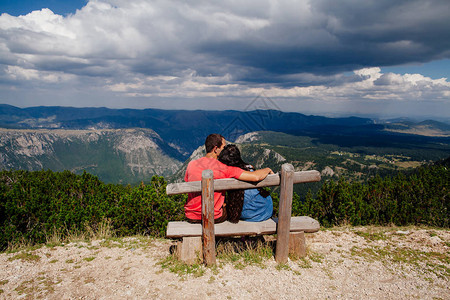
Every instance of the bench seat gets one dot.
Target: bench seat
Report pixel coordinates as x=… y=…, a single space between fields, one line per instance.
x=181 y=229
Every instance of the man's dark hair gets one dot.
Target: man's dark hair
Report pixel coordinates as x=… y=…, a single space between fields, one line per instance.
x=213 y=140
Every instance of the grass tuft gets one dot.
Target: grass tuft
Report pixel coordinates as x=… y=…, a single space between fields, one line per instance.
x=304 y=263
x=316 y=257
x=26 y=256
x=372 y=236
x=182 y=269
x=19 y=245
x=243 y=252
x=102 y=230
x=55 y=238
x=285 y=267
x=89 y=258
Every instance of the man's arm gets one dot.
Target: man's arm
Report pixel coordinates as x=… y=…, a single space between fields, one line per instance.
x=257 y=175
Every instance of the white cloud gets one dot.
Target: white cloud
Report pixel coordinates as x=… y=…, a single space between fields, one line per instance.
x=18 y=73
x=368 y=83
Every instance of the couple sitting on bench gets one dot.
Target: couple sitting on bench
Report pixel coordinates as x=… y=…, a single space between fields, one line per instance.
x=225 y=161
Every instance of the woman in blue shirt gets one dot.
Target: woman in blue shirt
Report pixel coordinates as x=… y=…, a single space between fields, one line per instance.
x=253 y=205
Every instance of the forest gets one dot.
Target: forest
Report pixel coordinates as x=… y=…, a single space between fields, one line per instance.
x=35 y=204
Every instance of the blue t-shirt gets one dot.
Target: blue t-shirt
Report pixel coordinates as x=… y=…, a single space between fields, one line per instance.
x=256 y=208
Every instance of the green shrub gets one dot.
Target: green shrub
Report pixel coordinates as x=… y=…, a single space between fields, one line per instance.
x=419 y=198
x=33 y=204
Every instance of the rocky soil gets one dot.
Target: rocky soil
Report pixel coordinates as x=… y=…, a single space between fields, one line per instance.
x=342 y=263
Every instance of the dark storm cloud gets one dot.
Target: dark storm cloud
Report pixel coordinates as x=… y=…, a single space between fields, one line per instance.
x=318 y=49
x=344 y=36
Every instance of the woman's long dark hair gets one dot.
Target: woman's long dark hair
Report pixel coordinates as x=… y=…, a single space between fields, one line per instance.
x=231 y=156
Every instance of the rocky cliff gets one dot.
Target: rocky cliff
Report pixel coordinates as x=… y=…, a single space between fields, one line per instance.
x=119 y=155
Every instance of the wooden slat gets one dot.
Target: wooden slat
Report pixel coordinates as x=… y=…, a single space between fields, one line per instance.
x=234 y=184
x=180 y=229
x=284 y=213
x=208 y=238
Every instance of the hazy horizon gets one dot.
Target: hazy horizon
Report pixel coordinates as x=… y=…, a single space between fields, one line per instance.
x=329 y=115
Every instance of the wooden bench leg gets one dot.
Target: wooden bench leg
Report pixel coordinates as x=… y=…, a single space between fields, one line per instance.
x=297 y=244
x=190 y=250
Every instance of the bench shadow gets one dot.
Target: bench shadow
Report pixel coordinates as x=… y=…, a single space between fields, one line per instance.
x=238 y=245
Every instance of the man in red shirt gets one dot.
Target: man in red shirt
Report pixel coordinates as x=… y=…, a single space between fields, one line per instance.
x=214 y=144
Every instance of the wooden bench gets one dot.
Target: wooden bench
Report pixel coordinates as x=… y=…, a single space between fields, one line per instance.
x=199 y=239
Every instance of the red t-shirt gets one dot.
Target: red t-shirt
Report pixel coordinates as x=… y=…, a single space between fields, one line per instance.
x=193 y=206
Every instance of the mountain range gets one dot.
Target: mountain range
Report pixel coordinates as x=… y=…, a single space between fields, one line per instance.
x=129 y=145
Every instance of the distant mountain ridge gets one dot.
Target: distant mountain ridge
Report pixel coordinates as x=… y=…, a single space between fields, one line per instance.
x=427 y=128
x=185 y=129
x=129 y=145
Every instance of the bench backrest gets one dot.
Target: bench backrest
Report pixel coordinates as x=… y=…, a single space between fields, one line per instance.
x=234 y=184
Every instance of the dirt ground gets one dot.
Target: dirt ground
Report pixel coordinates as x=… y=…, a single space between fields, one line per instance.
x=342 y=263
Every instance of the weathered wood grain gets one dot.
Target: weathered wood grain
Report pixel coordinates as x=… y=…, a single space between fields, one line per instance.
x=208 y=238
x=179 y=229
x=297 y=244
x=233 y=184
x=190 y=250
x=284 y=213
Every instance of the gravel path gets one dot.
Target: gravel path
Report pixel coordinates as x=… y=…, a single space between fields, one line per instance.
x=343 y=263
